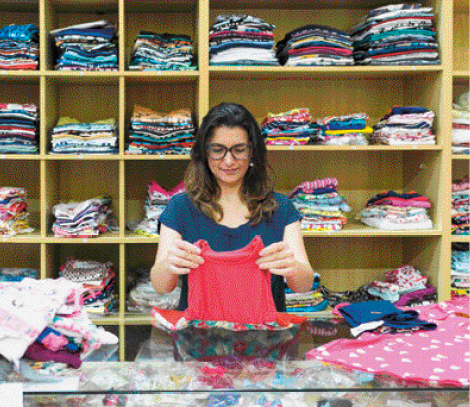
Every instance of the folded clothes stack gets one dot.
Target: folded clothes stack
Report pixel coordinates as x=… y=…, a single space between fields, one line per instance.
x=315 y=45
x=290 y=128
x=142 y=295
x=397 y=211
x=460 y=270
x=403 y=286
x=460 y=207
x=54 y=326
x=87 y=47
x=405 y=125
x=155 y=204
x=84 y=219
x=349 y=129
x=461 y=125
x=310 y=301
x=162 y=52
x=70 y=136
x=19 y=131
x=14 y=218
x=161 y=133
x=17 y=274
x=241 y=40
x=98 y=283
x=396 y=34
x=322 y=207
x=19 y=47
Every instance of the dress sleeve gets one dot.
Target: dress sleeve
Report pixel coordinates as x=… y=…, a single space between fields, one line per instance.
x=291 y=214
x=173 y=214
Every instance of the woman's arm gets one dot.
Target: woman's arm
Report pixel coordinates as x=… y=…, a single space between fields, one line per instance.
x=289 y=259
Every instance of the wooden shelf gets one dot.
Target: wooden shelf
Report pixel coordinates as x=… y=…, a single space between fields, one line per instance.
x=460 y=239
x=461 y=157
x=464 y=75
x=34 y=237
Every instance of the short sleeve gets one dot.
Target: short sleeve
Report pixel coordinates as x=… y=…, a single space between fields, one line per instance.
x=287 y=209
x=172 y=215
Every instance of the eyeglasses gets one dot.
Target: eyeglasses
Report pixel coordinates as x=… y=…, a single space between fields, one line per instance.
x=238 y=151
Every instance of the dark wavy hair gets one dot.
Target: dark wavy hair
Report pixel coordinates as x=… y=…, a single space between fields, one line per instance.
x=200 y=184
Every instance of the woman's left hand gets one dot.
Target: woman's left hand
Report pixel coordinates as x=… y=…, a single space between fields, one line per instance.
x=277 y=258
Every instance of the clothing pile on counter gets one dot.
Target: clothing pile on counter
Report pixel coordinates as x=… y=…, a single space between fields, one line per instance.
x=98 y=283
x=460 y=207
x=17 y=274
x=142 y=295
x=320 y=204
x=290 y=128
x=310 y=301
x=155 y=204
x=397 y=211
x=161 y=133
x=349 y=129
x=19 y=128
x=403 y=286
x=401 y=354
x=460 y=270
x=396 y=34
x=19 y=47
x=315 y=45
x=461 y=125
x=162 y=52
x=14 y=218
x=84 y=219
x=405 y=125
x=50 y=324
x=241 y=40
x=87 y=47
x=70 y=136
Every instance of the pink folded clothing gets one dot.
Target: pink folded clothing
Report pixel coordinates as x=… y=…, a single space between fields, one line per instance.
x=309 y=186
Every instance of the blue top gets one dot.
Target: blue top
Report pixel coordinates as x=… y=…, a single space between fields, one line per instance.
x=183 y=217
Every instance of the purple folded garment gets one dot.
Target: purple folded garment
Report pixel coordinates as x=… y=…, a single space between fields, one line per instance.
x=37 y=351
x=415 y=295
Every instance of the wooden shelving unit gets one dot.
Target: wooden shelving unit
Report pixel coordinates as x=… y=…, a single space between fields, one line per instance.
x=345 y=259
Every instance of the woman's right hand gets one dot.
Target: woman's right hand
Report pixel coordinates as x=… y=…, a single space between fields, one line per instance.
x=182 y=257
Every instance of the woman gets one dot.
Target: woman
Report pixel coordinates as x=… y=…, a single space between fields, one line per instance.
x=229 y=199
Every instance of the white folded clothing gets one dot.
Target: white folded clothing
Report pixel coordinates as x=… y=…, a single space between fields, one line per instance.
x=387 y=225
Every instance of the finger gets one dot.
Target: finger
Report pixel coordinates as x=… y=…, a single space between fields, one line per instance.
x=287 y=272
x=275 y=257
x=179 y=270
x=272 y=248
x=187 y=254
x=186 y=246
x=285 y=263
x=182 y=262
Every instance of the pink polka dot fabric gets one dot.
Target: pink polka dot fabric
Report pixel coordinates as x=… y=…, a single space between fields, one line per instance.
x=435 y=358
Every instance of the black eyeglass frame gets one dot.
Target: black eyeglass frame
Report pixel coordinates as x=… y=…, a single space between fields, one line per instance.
x=226 y=150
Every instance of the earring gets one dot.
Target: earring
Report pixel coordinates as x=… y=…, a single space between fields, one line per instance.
x=251 y=164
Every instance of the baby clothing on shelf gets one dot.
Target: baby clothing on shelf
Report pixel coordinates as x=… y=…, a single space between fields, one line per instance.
x=460 y=270
x=19 y=128
x=17 y=274
x=461 y=125
x=70 y=136
x=322 y=207
x=241 y=40
x=14 y=218
x=19 y=47
x=405 y=125
x=98 y=283
x=396 y=34
x=315 y=45
x=161 y=133
x=460 y=207
x=162 y=52
x=84 y=219
x=397 y=211
x=289 y=128
x=155 y=204
x=142 y=296
x=350 y=129
x=310 y=301
x=87 y=47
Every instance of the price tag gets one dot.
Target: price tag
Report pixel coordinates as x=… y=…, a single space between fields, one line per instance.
x=4 y=238
x=291 y=147
x=3 y=72
x=354 y=148
x=82 y=73
x=415 y=146
x=239 y=68
x=11 y=394
x=413 y=68
x=80 y=156
x=159 y=73
x=84 y=240
x=2 y=156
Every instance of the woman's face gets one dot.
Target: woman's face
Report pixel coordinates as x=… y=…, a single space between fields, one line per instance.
x=229 y=171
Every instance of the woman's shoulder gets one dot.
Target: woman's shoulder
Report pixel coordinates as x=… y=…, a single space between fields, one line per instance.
x=281 y=199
